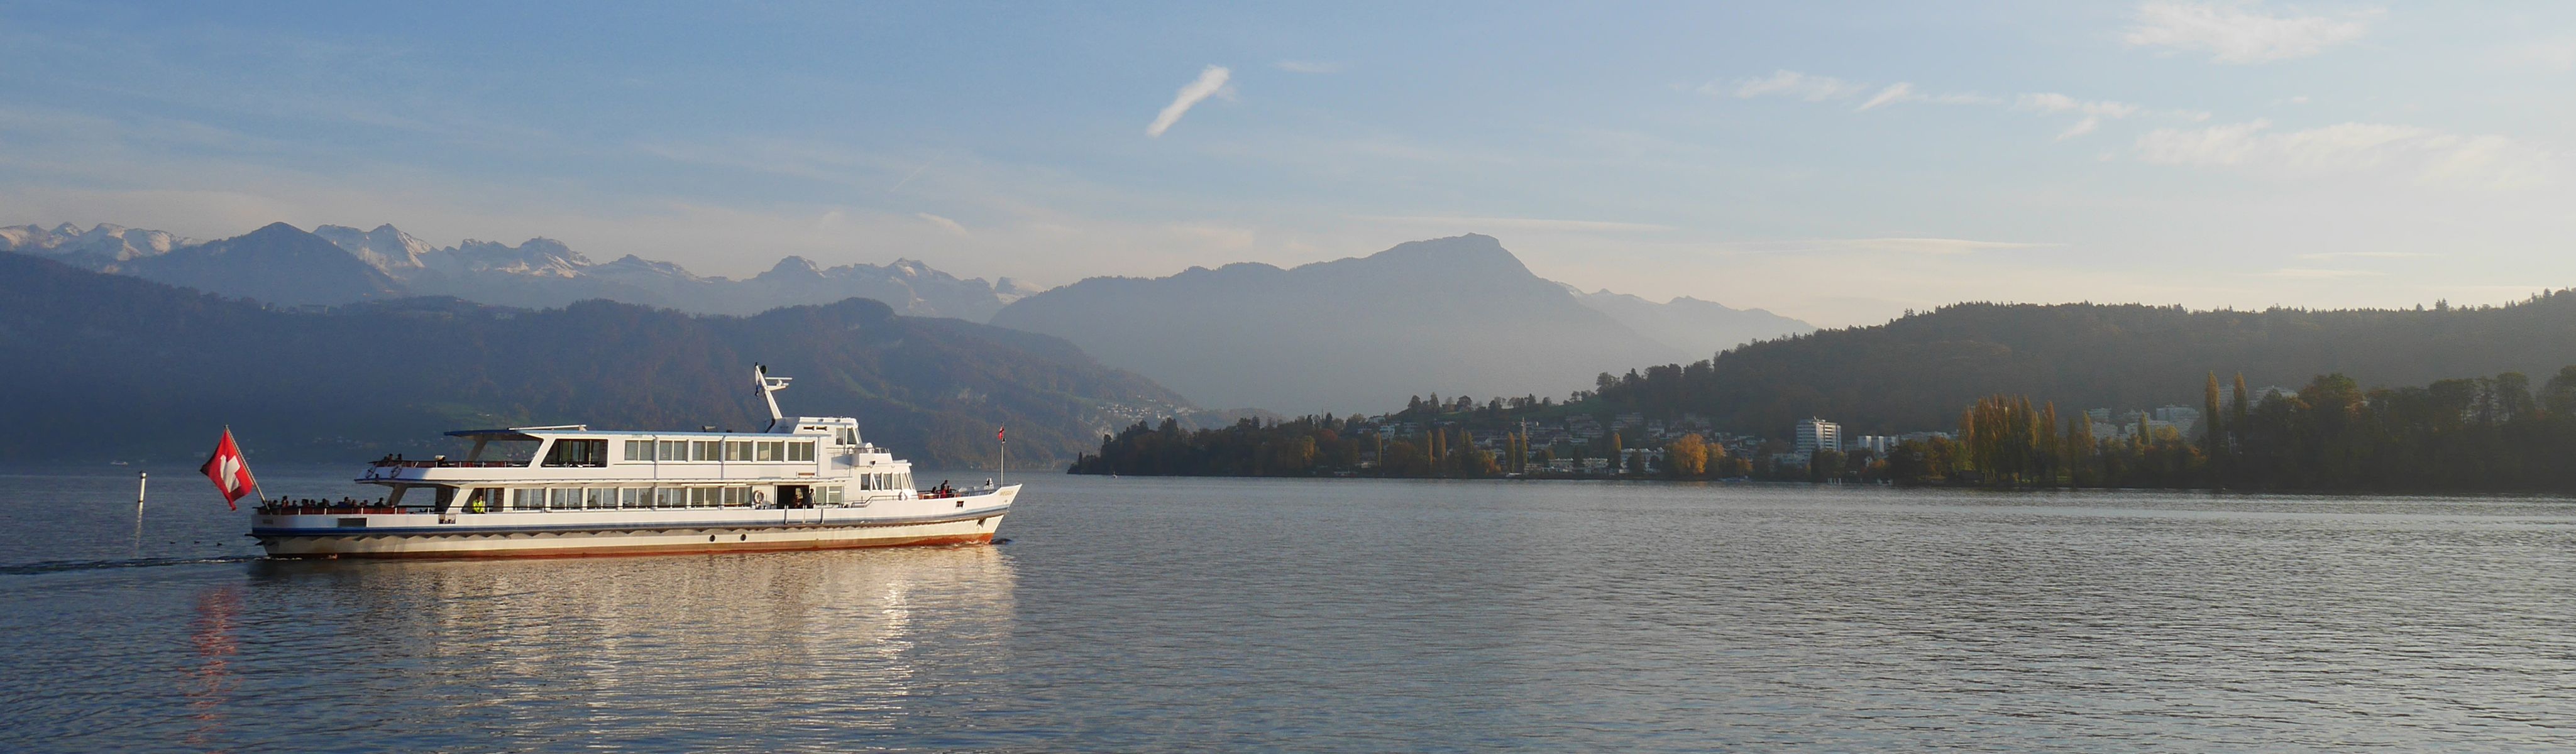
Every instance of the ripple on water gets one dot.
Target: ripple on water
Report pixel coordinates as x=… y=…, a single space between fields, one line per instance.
x=1353 y=615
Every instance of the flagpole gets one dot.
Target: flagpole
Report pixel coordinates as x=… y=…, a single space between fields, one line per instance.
x=142 y=481
x=255 y=490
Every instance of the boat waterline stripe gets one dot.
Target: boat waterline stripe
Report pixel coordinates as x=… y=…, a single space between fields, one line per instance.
x=667 y=526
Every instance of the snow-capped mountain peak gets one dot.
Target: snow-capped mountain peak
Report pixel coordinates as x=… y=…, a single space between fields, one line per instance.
x=540 y=257
x=386 y=248
x=101 y=245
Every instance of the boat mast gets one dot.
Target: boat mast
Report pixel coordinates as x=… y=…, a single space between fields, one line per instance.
x=769 y=387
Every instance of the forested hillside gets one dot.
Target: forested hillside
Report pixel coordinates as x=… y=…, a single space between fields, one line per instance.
x=103 y=366
x=1916 y=372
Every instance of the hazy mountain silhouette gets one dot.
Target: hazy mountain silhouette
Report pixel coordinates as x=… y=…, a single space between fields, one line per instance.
x=1454 y=315
x=278 y=264
x=1689 y=325
x=113 y=366
x=281 y=264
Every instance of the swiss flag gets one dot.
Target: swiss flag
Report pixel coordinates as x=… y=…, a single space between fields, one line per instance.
x=230 y=472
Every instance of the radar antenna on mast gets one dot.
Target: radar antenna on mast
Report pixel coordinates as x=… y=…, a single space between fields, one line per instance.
x=769 y=387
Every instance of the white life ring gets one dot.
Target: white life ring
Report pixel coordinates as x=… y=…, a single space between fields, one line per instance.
x=758 y=499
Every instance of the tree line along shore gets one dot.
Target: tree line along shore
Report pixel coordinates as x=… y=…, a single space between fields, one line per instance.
x=2482 y=434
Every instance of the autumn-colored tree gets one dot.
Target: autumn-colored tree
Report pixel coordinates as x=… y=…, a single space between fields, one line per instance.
x=1687 y=457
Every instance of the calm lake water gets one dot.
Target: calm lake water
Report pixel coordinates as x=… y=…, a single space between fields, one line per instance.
x=1223 y=615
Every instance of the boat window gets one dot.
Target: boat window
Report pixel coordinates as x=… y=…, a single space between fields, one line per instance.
x=831 y=495
x=703 y=450
x=667 y=497
x=673 y=450
x=848 y=436
x=737 y=450
x=801 y=450
x=598 y=497
x=639 y=450
x=578 y=453
x=527 y=499
x=765 y=450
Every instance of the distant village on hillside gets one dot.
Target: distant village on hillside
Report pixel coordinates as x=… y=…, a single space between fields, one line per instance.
x=1560 y=446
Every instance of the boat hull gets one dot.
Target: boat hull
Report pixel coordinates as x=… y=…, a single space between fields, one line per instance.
x=967 y=520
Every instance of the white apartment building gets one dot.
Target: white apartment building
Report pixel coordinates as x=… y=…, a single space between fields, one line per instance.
x=1818 y=434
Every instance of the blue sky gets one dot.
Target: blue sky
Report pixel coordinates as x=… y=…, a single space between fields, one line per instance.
x=1836 y=162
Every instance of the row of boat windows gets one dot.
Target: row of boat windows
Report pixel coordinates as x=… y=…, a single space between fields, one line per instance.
x=719 y=450
x=595 y=452
x=604 y=498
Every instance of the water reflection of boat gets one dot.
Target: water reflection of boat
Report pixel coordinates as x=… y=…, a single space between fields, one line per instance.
x=804 y=483
x=669 y=649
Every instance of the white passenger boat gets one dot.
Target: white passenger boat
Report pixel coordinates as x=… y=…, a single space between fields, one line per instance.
x=804 y=483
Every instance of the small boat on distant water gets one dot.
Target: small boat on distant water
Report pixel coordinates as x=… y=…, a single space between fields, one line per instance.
x=804 y=483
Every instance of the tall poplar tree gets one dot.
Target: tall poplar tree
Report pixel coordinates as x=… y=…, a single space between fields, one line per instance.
x=2236 y=413
x=2052 y=453
x=2209 y=417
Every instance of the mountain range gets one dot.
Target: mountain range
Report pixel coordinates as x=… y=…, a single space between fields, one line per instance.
x=1457 y=315
x=106 y=366
x=1688 y=325
x=1446 y=315
x=282 y=264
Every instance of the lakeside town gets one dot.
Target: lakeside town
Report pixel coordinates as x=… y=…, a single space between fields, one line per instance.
x=2485 y=433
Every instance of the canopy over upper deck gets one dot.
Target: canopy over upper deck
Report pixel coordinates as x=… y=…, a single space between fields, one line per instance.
x=516 y=433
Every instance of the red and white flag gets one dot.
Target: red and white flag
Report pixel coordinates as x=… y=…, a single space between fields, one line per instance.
x=229 y=470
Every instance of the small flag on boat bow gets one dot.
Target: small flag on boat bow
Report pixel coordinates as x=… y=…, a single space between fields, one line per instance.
x=229 y=470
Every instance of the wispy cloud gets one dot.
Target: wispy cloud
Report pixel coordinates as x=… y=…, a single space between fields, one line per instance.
x=2310 y=273
x=944 y=223
x=1788 y=83
x=2434 y=157
x=1521 y=223
x=2052 y=102
x=1211 y=80
x=1309 y=66
x=2093 y=111
x=1814 y=88
x=2554 y=55
x=2236 y=32
x=2366 y=255
x=1903 y=91
x=1895 y=245
x=1896 y=92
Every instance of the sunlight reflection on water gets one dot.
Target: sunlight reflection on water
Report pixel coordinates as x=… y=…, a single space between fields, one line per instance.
x=1352 y=615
